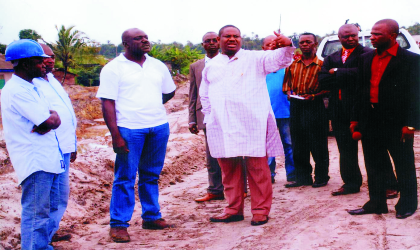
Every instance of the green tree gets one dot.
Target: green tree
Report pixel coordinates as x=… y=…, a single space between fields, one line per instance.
x=3 y=48
x=29 y=34
x=180 y=58
x=414 y=29
x=110 y=50
x=89 y=77
x=68 y=43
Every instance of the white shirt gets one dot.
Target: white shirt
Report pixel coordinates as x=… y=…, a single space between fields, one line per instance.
x=59 y=101
x=22 y=107
x=234 y=96
x=137 y=91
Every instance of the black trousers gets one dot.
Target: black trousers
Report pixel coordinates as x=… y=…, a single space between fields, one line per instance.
x=380 y=138
x=309 y=132
x=214 y=171
x=348 y=149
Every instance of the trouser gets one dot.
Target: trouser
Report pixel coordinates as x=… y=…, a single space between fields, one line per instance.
x=259 y=181
x=147 y=149
x=37 y=199
x=348 y=149
x=283 y=124
x=214 y=172
x=309 y=131
x=61 y=197
x=379 y=139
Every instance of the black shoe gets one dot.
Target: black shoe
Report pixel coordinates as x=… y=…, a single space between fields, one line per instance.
x=344 y=191
x=362 y=211
x=227 y=218
x=318 y=184
x=259 y=222
x=272 y=179
x=297 y=184
x=404 y=215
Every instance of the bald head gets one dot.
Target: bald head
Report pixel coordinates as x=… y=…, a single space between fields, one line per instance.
x=128 y=34
x=348 y=34
x=47 y=49
x=348 y=27
x=391 y=25
x=210 y=33
x=48 y=61
x=268 y=43
x=384 y=34
x=136 y=43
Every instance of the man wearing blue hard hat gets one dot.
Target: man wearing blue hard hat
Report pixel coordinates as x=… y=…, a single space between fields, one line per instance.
x=28 y=126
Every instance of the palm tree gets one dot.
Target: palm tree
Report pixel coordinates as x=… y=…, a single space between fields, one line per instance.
x=67 y=45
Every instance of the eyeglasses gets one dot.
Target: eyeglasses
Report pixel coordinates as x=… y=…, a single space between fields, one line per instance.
x=214 y=40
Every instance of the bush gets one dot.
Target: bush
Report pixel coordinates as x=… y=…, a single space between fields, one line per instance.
x=89 y=77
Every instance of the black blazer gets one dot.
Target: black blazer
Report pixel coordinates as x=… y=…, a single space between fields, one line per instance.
x=345 y=78
x=399 y=91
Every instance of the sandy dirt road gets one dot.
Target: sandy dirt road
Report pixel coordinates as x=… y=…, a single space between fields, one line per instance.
x=301 y=218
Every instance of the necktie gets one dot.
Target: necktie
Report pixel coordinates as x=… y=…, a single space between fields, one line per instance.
x=345 y=55
x=343 y=58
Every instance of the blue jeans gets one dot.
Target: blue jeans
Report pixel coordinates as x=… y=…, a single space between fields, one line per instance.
x=283 y=124
x=60 y=197
x=147 y=154
x=37 y=197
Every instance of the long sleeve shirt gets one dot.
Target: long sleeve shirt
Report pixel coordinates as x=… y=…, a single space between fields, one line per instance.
x=234 y=97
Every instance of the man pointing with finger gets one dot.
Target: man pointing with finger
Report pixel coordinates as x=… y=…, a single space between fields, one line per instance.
x=240 y=122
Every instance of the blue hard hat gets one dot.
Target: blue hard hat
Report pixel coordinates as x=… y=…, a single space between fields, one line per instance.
x=24 y=48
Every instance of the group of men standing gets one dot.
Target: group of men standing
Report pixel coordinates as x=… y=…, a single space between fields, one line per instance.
x=39 y=127
x=373 y=95
x=241 y=101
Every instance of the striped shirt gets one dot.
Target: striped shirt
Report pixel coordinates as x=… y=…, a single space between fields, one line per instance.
x=302 y=79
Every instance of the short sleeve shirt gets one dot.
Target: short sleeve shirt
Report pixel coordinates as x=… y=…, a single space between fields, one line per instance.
x=137 y=91
x=22 y=107
x=59 y=101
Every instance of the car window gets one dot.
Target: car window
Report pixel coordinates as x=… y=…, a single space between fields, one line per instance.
x=402 y=41
x=333 y=46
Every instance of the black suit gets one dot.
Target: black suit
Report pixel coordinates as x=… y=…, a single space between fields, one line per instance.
x=345 y=79
x=381 y=125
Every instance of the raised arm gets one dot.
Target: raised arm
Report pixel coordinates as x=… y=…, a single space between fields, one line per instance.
x=279 y=58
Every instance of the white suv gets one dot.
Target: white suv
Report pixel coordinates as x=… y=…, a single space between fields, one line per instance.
x=331 y=44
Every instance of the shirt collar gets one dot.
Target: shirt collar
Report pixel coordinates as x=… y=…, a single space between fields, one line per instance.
x=349 y=50
x=23 y=82
x=206 y=59
x=236 y=56
x=391 y=51
x=315 y=60
x=122 y=58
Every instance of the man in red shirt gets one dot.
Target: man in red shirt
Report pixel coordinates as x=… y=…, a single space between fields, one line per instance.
x=387 y=113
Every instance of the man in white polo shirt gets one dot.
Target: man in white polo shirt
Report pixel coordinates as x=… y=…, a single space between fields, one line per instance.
x=133 y=88
x=66 y=134
x=28 y=126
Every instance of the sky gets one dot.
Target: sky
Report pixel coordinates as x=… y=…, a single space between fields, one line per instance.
x=188 y=20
